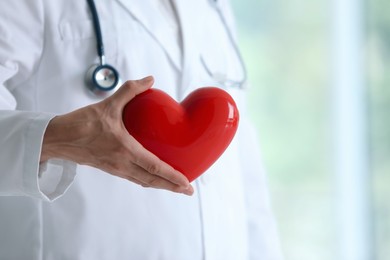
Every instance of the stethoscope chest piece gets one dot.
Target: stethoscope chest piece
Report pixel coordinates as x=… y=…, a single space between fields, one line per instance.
x=102 y=80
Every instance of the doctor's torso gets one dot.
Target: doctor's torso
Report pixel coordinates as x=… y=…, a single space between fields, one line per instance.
x=101 y=216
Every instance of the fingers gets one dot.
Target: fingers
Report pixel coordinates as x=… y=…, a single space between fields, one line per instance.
x=130 y=89
x=160 y=171
x=146 y=179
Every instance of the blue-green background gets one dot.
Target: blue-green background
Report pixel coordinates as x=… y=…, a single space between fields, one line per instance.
x=287 y=48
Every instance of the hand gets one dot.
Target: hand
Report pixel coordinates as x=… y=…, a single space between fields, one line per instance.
x=96 y=136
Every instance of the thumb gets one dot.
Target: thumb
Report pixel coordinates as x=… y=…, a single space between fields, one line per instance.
x=130 y=89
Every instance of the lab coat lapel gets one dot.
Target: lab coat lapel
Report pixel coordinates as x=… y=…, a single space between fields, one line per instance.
x=150 y=18
x=187 y=10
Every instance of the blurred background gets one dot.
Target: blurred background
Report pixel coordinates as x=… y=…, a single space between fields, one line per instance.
x=320 y=97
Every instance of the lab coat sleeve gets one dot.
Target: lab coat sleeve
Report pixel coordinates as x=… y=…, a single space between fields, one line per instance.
x=21 y=132
x=263 y=236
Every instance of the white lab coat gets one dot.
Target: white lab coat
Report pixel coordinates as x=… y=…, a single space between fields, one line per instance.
x=60 y=210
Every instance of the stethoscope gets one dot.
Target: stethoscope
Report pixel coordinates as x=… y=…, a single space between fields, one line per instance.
x=222 y=77
x=103 y=79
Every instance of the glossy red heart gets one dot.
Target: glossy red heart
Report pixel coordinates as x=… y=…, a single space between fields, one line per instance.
x=191 y=135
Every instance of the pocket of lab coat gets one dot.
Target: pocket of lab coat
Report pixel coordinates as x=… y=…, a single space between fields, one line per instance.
x=83 y=30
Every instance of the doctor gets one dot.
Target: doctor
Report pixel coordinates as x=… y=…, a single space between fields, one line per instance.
x=73 y=182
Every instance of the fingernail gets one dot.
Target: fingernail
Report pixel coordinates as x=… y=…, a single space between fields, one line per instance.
x=188 y=191
x=146 y=80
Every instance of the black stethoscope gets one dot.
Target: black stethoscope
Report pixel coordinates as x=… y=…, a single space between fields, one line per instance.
x=103 y=79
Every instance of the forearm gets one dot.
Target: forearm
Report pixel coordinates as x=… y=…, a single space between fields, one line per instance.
x=67 y=135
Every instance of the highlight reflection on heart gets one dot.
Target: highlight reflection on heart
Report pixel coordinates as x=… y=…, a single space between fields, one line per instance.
x=191 y=135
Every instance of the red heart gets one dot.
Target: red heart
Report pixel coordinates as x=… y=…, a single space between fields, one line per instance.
x=189 y=136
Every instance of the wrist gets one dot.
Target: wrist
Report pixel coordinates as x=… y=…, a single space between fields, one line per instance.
x=52 y=138
x=65 y=135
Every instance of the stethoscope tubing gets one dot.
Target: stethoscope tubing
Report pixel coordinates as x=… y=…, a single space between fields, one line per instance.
x=93 y=84
x=234 y=44
x=98 y=31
